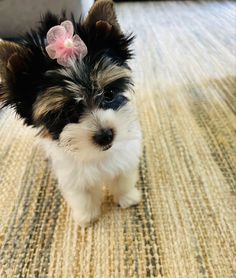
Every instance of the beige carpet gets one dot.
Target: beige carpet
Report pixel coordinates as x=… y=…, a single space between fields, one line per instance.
x=185 y=72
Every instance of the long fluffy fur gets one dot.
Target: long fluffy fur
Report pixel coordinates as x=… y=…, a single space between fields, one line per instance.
x=71 y=106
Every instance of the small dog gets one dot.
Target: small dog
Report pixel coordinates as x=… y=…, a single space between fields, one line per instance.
x=71 y=80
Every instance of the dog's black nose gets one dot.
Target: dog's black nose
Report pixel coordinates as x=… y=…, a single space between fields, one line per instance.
x=104 y=137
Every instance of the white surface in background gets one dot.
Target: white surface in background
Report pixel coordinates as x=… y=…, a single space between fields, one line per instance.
x=17 y=17
x=85 y=5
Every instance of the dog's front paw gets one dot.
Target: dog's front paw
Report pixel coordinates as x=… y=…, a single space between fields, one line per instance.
x=85 y=218
x=131 y=198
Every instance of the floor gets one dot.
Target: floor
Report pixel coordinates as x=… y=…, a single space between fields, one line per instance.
x=185 y=76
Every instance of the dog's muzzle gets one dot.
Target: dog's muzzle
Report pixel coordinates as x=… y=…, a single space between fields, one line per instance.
x=104 y=138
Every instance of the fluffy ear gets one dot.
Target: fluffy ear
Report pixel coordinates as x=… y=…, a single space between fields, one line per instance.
x=12 y=60
x=102 y=34
x=102 y=16
x=14 y=73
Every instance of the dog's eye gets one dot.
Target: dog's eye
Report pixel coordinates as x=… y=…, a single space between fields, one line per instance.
x=114 y=101
x=110 y=94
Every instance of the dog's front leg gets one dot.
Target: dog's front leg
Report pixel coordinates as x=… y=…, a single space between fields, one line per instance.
x=124 y=191
x=84 y=203
x=83 y=196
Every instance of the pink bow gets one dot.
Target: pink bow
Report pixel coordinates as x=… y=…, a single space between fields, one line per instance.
x=63 y=45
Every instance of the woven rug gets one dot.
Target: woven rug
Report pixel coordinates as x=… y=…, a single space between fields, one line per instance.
x=185 y=70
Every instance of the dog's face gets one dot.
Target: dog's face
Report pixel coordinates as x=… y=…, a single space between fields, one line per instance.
x=86 y=107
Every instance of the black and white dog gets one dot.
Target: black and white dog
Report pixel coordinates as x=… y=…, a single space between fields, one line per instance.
x=82 y=104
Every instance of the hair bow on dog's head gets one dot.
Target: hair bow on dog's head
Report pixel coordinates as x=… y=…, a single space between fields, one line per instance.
x=63 y=45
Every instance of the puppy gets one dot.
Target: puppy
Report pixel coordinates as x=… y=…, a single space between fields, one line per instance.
x=71 y=81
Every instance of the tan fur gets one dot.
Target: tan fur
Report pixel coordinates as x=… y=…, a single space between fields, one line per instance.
x=12 y=61
x=44 y=133
x=102 y=10
x=11 y=57
x=110 y=74
x=7 y=49
x=51 y=100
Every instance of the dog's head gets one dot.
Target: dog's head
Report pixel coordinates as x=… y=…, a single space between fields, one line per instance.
x=84 y=107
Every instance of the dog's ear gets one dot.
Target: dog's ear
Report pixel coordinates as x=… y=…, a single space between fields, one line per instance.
x=102 y=16
x=14 y=74
x=12 y=60
x=102 y=33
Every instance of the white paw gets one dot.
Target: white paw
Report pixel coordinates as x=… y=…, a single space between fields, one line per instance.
x=131 y=198
x=85 y=218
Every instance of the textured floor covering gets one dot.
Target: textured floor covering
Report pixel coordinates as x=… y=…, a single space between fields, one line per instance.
x=185 y=72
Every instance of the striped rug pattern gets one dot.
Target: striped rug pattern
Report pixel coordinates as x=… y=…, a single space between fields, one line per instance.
x=184 y=70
